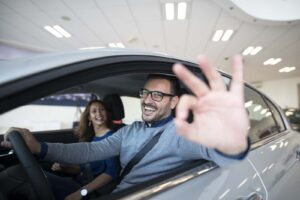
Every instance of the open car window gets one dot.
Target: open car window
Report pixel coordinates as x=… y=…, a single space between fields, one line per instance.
x=54 y=112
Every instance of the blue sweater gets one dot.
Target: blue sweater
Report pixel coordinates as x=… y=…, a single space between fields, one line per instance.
x=170 y=152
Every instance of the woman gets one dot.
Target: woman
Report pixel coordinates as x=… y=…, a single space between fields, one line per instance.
x=94 y=126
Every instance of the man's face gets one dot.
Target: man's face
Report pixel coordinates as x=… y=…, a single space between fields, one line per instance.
x=152 y=110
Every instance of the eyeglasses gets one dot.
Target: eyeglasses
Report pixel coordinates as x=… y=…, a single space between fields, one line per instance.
x=155 y=95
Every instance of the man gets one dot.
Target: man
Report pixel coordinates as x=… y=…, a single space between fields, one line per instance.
x=214 y=133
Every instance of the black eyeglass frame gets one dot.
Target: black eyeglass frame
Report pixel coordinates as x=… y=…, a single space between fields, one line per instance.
x=142 y=90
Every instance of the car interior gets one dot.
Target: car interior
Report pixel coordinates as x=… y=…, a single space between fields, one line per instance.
x=110 y=89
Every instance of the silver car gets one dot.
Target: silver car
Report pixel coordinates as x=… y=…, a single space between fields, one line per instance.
x=270 y=171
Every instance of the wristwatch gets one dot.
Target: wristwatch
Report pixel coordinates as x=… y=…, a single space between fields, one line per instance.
x=83 y=192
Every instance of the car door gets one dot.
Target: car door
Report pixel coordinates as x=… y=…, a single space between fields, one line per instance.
x=276 y=149
x=208 y=181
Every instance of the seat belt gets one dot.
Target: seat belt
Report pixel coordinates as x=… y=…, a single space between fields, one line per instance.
x=136 y=159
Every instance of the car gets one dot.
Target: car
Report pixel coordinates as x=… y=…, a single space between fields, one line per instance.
x=293 y=115
x=270 y=171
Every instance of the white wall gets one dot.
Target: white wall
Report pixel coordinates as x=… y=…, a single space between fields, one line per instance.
x=284 y=92
x=39 y=117
x=42 y=117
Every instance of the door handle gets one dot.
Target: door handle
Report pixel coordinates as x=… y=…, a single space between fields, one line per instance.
x=253 y=196
x=298 y=155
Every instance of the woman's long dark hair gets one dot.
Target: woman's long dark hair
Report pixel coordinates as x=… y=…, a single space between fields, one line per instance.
x=86 y=132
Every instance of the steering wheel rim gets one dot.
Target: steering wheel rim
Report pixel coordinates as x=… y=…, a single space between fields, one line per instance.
x=33 y=170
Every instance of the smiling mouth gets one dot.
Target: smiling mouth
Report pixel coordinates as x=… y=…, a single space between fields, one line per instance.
x=99 y=118
x=148 y=110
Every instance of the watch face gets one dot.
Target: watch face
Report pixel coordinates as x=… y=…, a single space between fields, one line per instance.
x=83 y=192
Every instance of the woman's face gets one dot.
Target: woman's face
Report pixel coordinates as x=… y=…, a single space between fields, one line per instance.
x=97 y=114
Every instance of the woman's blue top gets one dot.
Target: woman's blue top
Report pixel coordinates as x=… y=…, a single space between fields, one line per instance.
x=108 y=166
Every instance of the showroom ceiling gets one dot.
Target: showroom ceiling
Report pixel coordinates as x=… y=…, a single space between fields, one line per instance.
x=141 y=24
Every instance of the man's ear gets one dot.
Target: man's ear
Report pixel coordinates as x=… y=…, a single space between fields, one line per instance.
x=174 y=101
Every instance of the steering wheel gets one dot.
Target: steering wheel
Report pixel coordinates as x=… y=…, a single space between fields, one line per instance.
x=33 y=170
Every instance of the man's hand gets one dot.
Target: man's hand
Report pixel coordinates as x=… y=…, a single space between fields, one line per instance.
x=220 y=119
x=33 y=145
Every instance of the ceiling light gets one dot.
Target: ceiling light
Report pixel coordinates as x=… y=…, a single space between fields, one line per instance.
x=263 y=111
x=89 y=48
x=116 y=45
x=287 y=69
x=257 y=108
x=277 y=60
x=256 y=50
x=53 y=31
x=248 y=104
x=62 y=31
x=113 y=45
x=252 y=51
x=272 y=61
x=170 y=10
x=227 y=35
x=224 y=37
x=181 y=10
x=247 y=51
x=217 y=36
x=120 y=45
x=268 y=114
x=269 y=61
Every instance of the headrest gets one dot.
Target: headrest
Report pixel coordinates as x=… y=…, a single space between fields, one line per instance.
x=115 y=106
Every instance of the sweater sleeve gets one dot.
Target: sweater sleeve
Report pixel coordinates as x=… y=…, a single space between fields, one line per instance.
x=84 y=152
x=189 y=150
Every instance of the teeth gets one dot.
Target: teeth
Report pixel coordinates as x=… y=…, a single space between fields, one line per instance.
x=149 y=108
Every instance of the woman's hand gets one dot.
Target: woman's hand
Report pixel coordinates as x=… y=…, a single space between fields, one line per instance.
x=56 y=167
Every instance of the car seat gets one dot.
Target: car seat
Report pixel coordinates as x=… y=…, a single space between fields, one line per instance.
x=114 y=105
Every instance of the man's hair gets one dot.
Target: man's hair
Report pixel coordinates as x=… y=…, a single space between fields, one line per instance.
x=172 y=79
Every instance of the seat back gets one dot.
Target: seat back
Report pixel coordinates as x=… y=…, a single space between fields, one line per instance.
x=114 y=105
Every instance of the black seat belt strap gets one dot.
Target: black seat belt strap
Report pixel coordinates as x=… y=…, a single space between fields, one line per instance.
x=140 y=155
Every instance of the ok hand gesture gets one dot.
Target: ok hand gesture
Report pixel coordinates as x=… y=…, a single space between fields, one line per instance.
x=220 y=119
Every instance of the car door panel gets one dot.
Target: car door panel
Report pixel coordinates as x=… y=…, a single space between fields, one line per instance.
x=239 y=181
x=278 y=166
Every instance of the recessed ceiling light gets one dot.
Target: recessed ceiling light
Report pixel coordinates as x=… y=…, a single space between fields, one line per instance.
x=227 y=35
x=62 y=31
x=272 y=61
x=116 y=45
x=257 y=108
x=120 y=45
x=287 y=69
x=113 y=45
x=263 y=111
x=247 y=51
x=57 y=31
x=276 y=61
x=181 y=10
x=217 y=36
x=224 y=37
x=256 y=50
x=53 y=31
x=170 y=11
x=89 y=48
x=252 y=51
x=248 y=104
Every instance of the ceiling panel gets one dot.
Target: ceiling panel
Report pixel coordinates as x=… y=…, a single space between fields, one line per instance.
x=201 y=27
x=141 y=24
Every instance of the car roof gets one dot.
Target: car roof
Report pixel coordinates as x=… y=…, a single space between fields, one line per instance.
x=19 y=68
